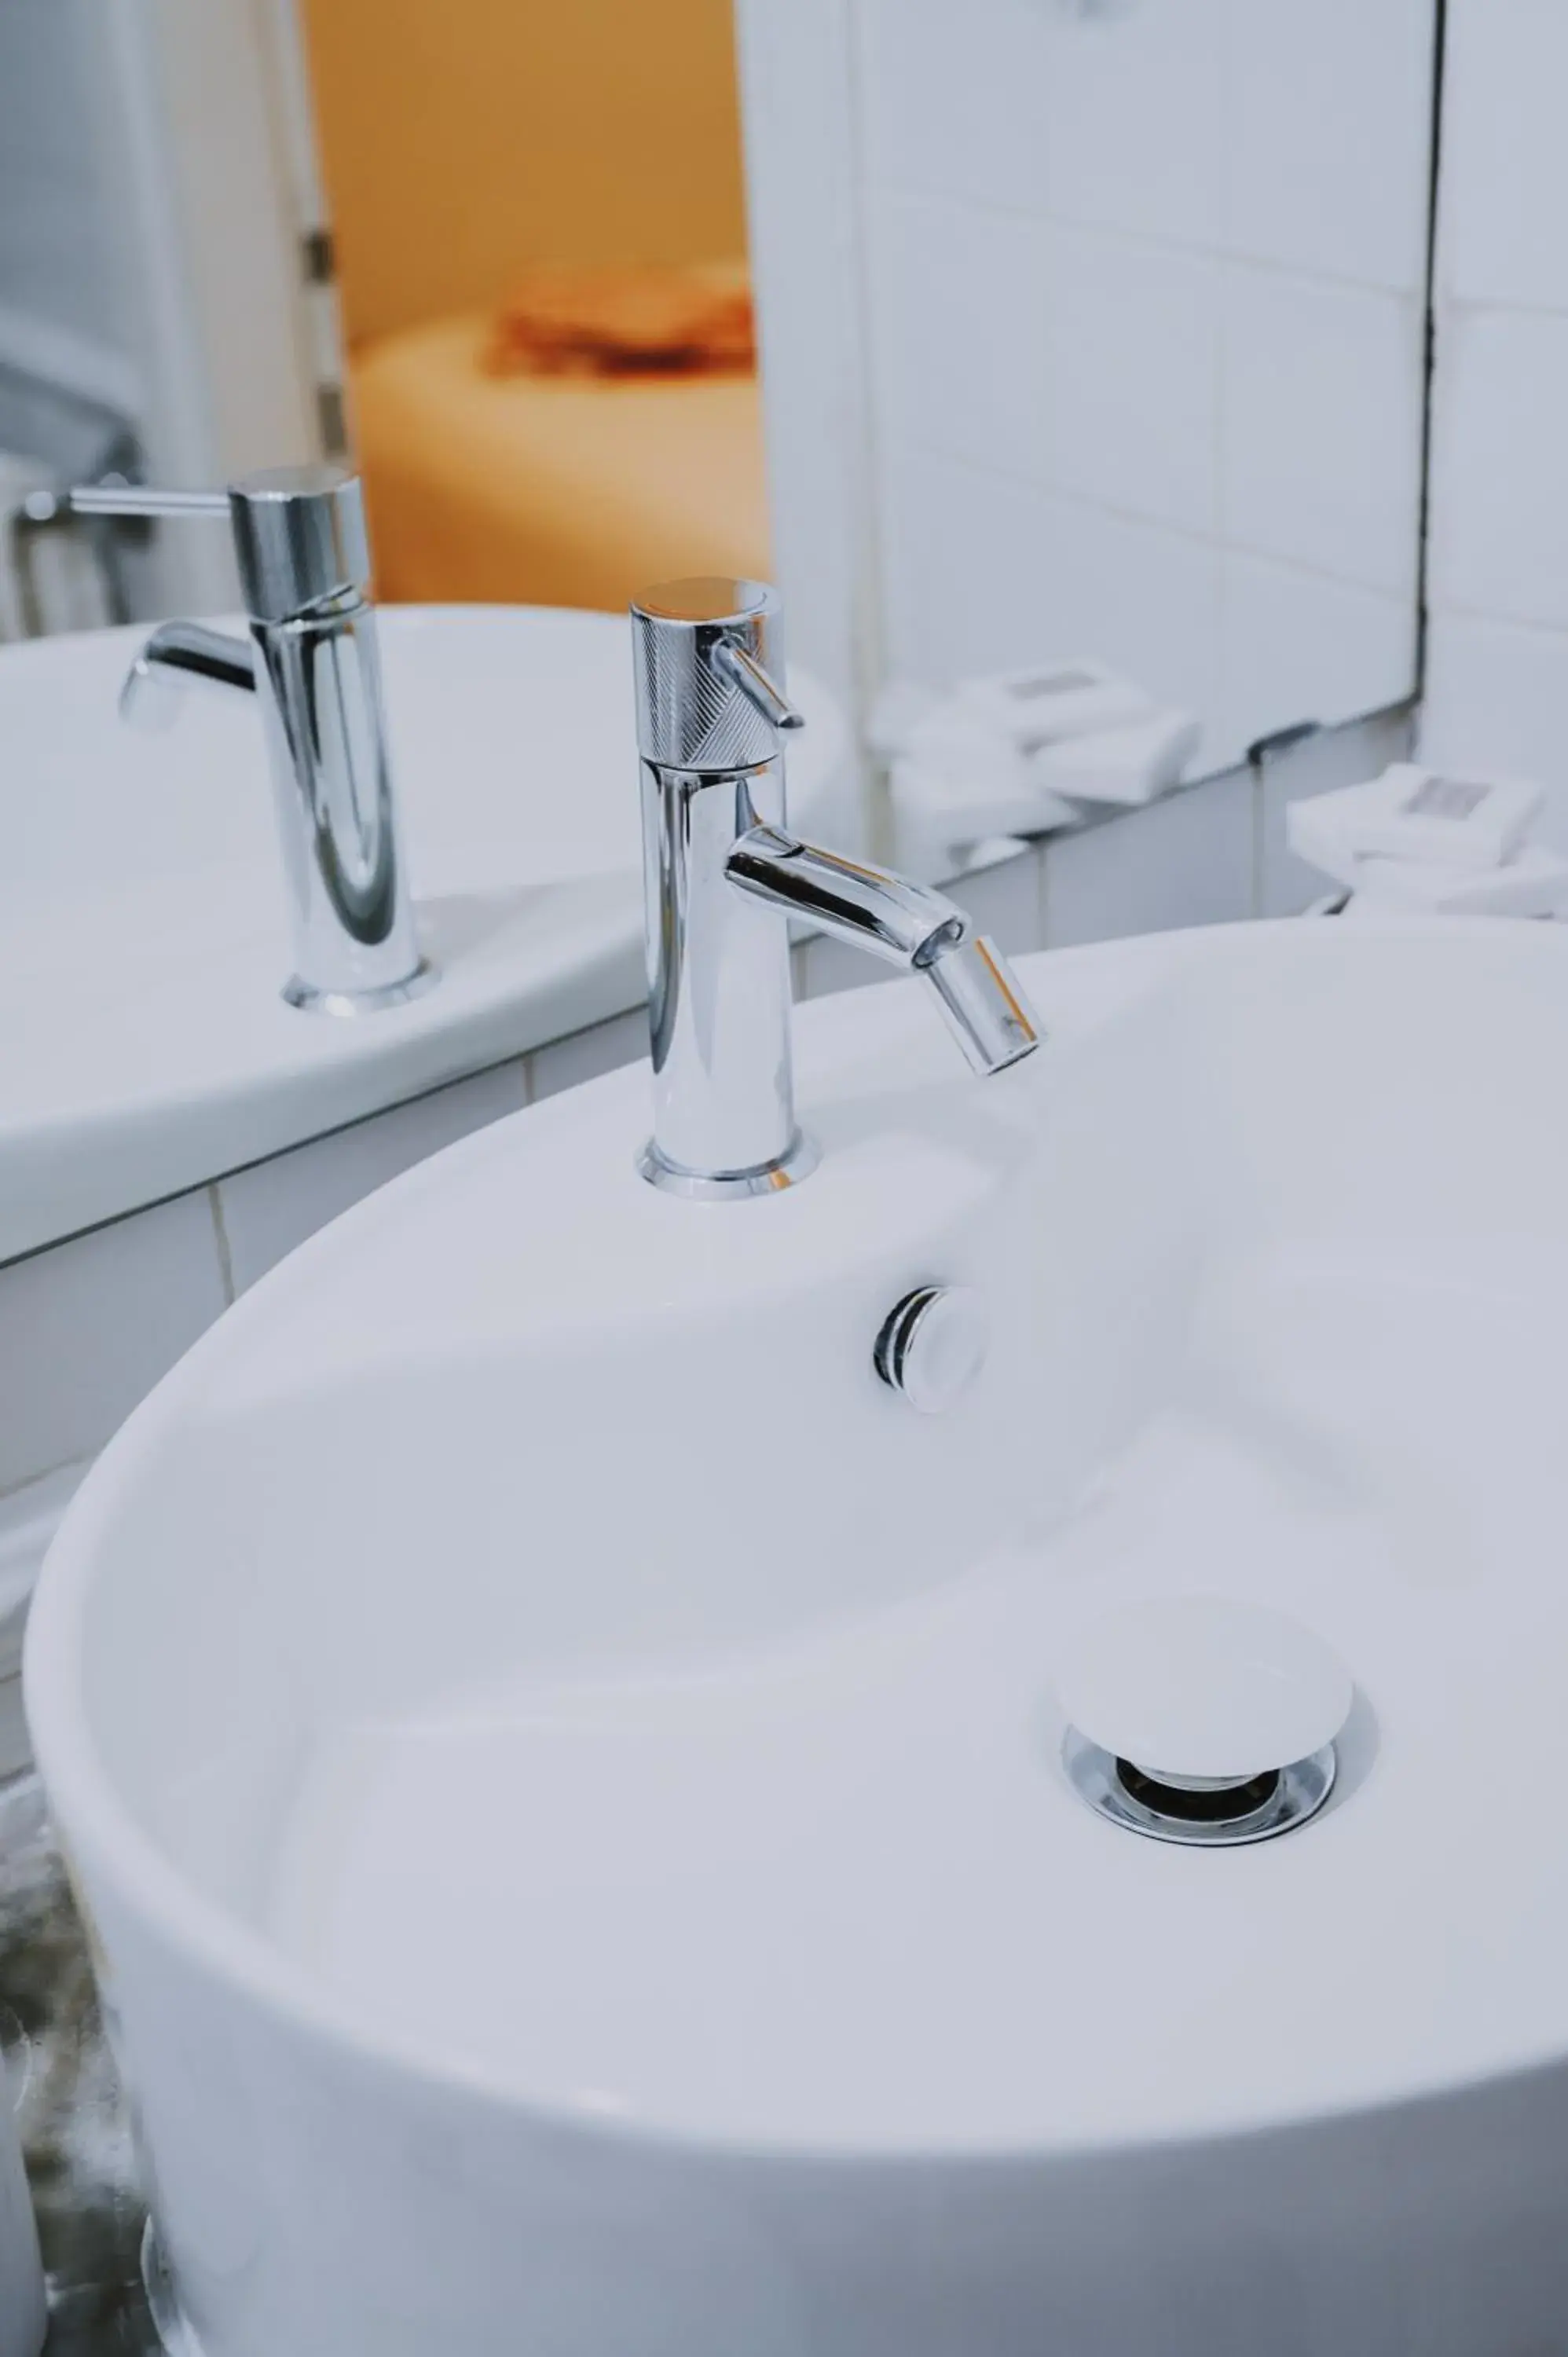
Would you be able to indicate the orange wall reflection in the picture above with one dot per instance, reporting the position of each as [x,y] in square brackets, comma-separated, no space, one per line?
[465,142]
[464,139]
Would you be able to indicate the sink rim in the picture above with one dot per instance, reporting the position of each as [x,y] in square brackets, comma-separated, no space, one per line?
[243,1959]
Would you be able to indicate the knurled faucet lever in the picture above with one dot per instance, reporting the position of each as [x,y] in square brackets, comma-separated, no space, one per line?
[313,662]
[722,874]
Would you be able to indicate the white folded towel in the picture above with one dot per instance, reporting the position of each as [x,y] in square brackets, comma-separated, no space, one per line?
[1412,838]
[1013,753]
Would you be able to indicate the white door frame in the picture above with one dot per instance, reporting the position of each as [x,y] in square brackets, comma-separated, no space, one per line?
[799,94]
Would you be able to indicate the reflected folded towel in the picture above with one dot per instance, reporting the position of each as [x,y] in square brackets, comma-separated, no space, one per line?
[693,321]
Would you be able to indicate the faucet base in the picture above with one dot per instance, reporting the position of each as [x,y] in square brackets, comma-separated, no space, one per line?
[706,1187]
[304,996]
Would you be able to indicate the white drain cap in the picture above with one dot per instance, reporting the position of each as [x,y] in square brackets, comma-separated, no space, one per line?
[1199,1686]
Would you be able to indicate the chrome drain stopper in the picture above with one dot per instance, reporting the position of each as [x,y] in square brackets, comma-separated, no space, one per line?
[1239,1704]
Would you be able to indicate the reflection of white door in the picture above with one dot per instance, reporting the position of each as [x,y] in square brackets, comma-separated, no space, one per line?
[181,190]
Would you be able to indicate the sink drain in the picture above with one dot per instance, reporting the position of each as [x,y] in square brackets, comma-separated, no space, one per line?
[1215,1691]
[1198,1811]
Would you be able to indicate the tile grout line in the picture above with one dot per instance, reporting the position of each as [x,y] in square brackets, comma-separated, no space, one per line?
[221,1239]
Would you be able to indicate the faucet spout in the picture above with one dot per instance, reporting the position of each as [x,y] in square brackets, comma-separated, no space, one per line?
[907,924]
[312,667]
[723,873]
[178,654]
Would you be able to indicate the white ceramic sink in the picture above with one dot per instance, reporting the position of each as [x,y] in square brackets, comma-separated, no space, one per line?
[144,1045]
[563,1770]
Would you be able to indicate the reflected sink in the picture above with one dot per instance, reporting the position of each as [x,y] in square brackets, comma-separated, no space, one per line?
[562,1764]
[143,1044]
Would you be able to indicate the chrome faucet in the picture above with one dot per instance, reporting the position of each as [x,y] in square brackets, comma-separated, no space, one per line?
[722,872]
[311,662]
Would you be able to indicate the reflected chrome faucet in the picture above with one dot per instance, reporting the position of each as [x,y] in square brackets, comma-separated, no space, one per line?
[311,662]
[722,873]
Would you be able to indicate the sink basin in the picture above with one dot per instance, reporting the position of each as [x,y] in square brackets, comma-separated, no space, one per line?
[562,1765]
[144,1045]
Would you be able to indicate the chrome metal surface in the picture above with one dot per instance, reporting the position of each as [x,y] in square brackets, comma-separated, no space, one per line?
[721,870]
[302,994]
[1200,1813]
[932,1345]
[299,540]
[690,714]
[760,689]
[179,654]
[700,1187]
[145,500]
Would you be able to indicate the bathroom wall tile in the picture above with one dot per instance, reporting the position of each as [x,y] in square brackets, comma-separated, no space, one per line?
[1328,168]
[957,306]
[1297,646]
[1135,377]
[933,121]
[826,967]
[945,527]
[602,1047]
[1185,860]
[983,572]
[1504,160]
[88,1327]
[272,1207]
[1500,465]
[1137,131]
[1323,400]
[803,180]
[1335,756]
[1004,901]
[1497,695]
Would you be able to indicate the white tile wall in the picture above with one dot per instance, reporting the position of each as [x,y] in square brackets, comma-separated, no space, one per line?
[1341,757]
[1505,163]
[1144,291]
[1497,646]
[1324,387]
[1300,643]
[1327,133]
[1136,131]
[265,1210]
[936,294]
[89,1326]
[1126,316]
[583,1055]
[1496,698]
[1188,860]
[1501,464]
[985,570]
[931,120]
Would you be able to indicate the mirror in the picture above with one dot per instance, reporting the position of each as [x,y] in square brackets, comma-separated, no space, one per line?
[1096,330]
[1086,446]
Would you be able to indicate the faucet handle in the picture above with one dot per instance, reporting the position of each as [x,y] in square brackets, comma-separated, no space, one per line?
[730,659]
[707,655]
[299,532]
[122,498]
